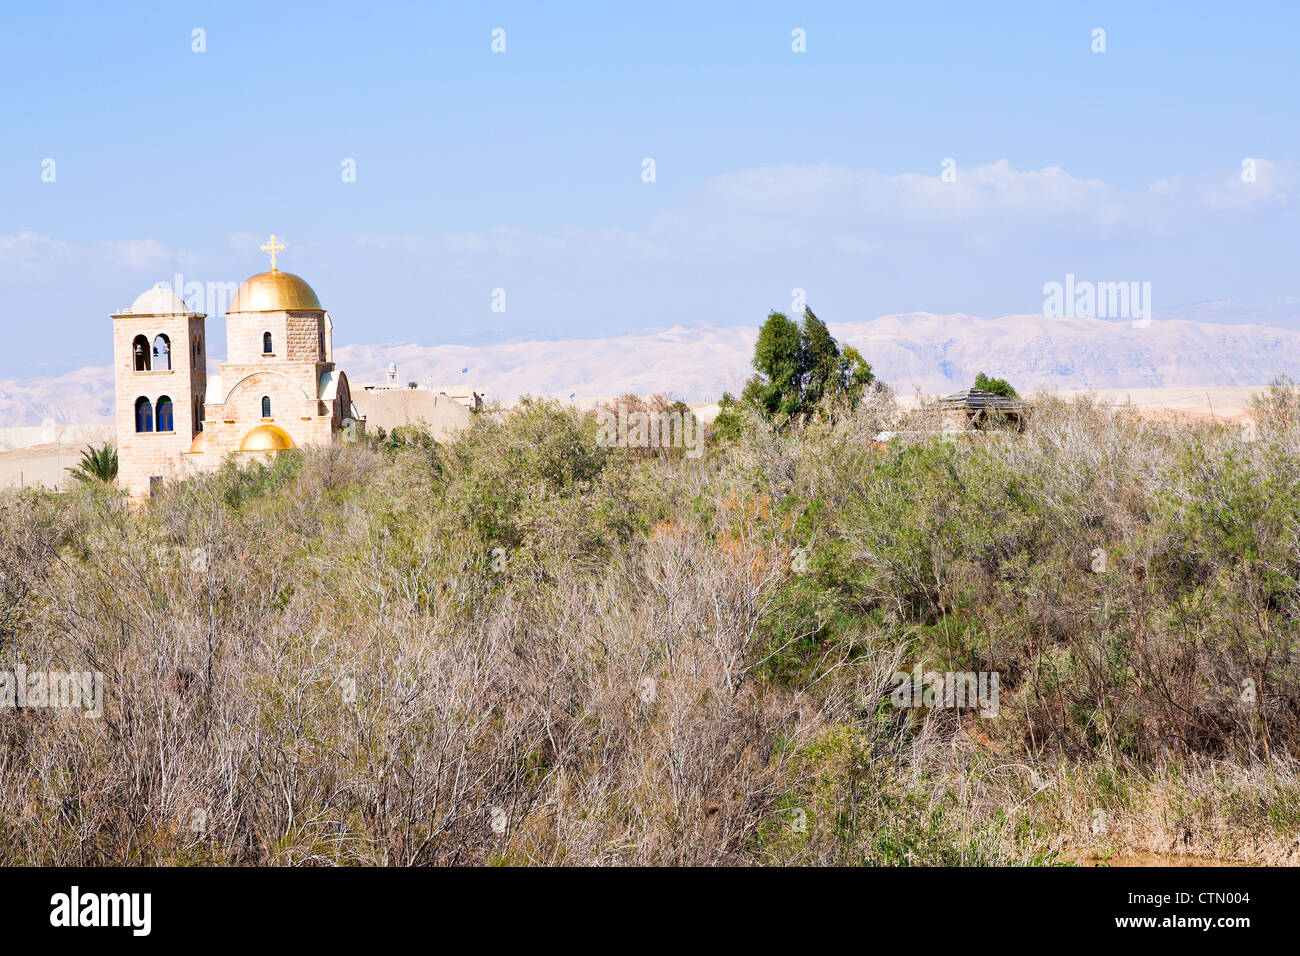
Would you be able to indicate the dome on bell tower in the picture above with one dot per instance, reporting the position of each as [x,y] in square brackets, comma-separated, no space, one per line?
[160,300]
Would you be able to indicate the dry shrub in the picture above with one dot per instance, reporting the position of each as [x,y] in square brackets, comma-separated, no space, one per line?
[521,647]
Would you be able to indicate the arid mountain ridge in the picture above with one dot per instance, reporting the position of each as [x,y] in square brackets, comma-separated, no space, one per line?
[911,351]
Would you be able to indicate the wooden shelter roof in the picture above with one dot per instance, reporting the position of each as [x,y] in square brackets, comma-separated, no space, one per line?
[977,400]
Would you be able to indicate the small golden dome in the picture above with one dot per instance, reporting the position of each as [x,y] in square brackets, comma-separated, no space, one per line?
[266,438]
[200,444]
[275,291]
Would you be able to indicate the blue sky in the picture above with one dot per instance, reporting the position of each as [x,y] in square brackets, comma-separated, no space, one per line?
[522,170]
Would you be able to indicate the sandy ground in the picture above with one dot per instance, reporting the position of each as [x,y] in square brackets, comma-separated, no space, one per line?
[39,464]
[38,456]
[1230,403]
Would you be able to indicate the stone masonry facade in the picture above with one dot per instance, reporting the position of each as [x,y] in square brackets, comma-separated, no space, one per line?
[272,393]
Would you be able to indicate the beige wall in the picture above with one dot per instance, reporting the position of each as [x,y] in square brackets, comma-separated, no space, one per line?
[142,455]
[388,409]
[295,337]
[289,377]
[307,420]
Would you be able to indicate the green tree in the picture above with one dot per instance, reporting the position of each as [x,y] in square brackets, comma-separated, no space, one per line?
[998,386]
[97,464]
[800,366]
[778,357]
[729,422]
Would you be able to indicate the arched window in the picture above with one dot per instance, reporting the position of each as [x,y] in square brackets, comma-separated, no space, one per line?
[266,406]
[266,343]
[198,414]
[140,353]
[165,423]
[143,415]
[162,353]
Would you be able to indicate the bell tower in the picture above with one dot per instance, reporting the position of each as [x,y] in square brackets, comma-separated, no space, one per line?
[160,374]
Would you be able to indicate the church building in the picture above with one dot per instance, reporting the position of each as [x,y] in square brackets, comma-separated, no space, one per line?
[277,389]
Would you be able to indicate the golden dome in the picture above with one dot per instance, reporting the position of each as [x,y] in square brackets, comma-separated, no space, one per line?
[275,291]
[266,438]
[200,444]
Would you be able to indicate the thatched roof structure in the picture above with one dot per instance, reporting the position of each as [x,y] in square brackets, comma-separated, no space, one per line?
[974,406]
[978,400]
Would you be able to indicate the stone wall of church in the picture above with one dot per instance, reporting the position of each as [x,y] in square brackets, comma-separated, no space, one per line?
[305,336]
[295,337]
[144,455]
[244,331]
[292,389]
[151,457]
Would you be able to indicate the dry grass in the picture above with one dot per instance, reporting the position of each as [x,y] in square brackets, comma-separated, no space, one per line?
[521,647]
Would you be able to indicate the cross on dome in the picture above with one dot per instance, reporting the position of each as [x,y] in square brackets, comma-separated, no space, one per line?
[272,247]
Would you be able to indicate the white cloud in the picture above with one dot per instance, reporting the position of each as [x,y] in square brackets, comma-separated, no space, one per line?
[31,255]
[859,241]
[863,212]
[802,204]
[28,252]
[139,254]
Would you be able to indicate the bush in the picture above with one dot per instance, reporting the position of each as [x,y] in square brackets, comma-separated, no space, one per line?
[519,646]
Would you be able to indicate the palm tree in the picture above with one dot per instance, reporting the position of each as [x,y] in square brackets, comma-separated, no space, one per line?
[97,464]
